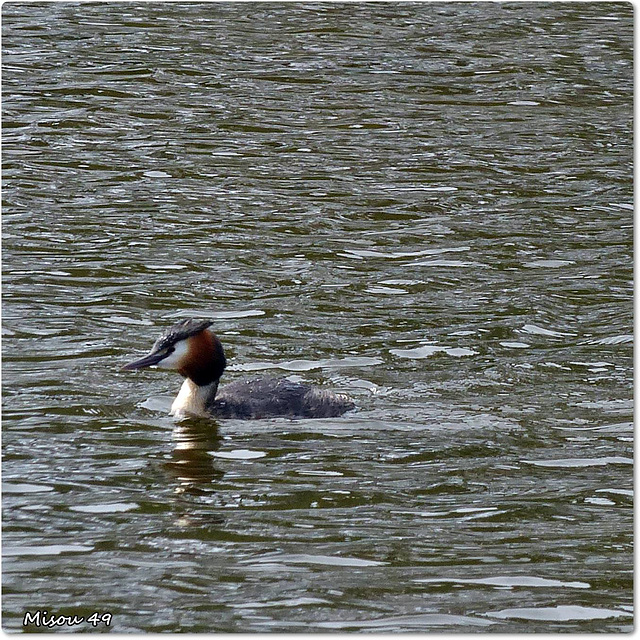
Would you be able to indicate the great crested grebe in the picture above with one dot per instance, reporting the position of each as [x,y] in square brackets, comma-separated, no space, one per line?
[191,349]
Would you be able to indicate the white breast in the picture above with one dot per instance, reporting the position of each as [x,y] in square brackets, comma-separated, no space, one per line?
[192,399]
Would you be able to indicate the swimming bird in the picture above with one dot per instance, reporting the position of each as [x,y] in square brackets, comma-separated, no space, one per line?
[193,350]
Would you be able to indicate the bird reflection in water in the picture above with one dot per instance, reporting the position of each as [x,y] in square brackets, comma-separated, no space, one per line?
[192,465]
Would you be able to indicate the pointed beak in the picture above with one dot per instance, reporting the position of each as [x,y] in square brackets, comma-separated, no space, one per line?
[148,361]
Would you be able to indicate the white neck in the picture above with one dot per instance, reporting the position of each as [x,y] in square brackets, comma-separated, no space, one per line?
[193,400]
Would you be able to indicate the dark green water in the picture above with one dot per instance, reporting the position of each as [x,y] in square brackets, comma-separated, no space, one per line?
[426,206]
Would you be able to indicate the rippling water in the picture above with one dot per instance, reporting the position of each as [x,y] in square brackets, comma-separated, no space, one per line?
[427,206]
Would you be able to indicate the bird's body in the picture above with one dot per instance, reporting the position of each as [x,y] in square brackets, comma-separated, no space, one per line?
[190,348]
[270,397]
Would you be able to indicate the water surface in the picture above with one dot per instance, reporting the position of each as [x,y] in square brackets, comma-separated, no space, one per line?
[426,206]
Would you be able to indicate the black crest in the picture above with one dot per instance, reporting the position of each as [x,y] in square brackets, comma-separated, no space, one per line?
[180,331]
